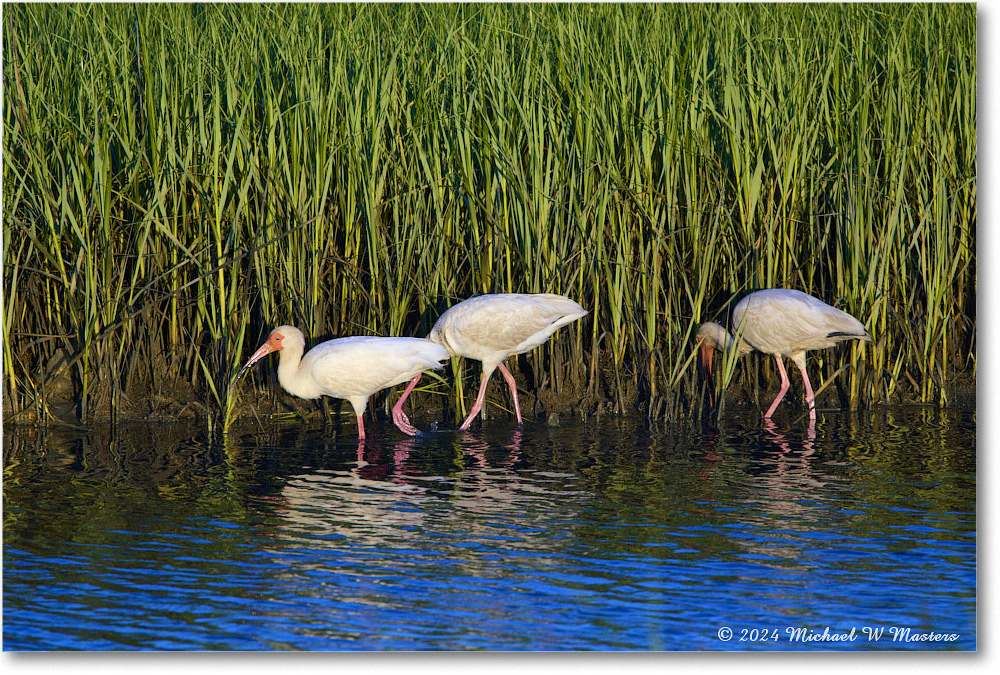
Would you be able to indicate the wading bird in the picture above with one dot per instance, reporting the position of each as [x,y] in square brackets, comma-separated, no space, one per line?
[489,328]
[781,322]
[351,368]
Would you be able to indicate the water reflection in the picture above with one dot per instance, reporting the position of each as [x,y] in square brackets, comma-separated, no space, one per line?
[386,498]
[609,534]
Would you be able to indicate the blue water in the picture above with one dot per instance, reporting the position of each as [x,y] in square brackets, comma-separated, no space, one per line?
[604,534]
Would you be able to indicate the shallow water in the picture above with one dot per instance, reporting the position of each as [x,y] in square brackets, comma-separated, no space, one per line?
[606,534]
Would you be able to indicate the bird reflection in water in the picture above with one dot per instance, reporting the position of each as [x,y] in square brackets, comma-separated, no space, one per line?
[371,466]
[792,465]
[390,493]
[380,470]
[781,440]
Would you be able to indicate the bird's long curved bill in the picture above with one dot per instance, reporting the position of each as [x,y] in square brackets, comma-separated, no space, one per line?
[261,352]
[706,360]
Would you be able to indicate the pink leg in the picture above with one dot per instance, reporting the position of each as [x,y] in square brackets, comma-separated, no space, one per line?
[784,387]
[478,405]
[513,391]
[409,388]
[399,457]
[361,429]
[810,397]
[398,416]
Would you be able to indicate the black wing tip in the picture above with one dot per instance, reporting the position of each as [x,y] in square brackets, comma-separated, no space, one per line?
[855,336]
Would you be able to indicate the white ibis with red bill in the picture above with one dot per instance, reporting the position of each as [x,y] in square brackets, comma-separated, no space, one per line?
[783,323]
[351,368]
[490,328]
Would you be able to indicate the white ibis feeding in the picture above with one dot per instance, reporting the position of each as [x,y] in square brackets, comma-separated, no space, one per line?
[351,368]
[782,322]
[489,328]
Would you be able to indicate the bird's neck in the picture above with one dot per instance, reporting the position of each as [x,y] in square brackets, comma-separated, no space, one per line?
[719,338]
[740,345]
[293,378]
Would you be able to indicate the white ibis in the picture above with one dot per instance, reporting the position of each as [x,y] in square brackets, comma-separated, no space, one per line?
[351,368]
[782,322]
[489,328]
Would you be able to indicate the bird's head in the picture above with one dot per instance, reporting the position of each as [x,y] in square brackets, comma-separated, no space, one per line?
[276,341]
[282,337]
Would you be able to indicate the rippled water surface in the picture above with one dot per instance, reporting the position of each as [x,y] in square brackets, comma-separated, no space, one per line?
[607,534]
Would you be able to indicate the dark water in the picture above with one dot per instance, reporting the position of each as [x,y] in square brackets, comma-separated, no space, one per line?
[605,534]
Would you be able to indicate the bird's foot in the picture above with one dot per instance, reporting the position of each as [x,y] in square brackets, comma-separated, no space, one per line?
[403,422]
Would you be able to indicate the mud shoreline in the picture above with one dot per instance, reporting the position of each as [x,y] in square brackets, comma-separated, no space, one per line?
[574,398]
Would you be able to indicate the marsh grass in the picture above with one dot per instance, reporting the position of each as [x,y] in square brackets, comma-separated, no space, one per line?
[180,178]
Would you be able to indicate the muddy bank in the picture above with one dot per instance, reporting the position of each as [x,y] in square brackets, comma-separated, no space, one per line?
[606,392]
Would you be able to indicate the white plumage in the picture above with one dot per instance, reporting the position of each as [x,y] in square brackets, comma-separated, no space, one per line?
[490,328]
[351,368]
[784,323]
